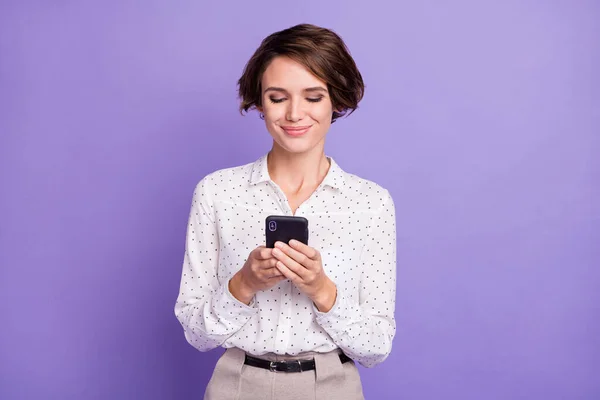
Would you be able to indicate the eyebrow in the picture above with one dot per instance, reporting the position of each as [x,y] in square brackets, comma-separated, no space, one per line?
[282,90]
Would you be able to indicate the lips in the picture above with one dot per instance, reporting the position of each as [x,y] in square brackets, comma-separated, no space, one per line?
[296,130]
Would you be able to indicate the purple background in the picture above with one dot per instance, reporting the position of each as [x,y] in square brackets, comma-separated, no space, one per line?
[482,118]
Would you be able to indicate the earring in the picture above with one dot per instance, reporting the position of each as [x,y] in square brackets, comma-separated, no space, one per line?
[262,116]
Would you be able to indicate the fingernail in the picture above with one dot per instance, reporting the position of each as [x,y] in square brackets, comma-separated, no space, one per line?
[279,245]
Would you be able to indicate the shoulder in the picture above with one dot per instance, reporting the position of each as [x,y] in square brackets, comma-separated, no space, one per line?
[221,181]
[366,192]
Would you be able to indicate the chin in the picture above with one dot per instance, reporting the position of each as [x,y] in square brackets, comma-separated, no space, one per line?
[296,146]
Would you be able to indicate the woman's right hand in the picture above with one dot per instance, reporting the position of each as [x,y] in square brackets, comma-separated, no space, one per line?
[258,273]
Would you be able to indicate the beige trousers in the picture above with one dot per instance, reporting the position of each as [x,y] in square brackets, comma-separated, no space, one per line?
[330,380]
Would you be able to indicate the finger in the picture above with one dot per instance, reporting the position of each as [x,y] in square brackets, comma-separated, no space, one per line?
[290,263]
[308,251]
[288,273]
[263,253]
[273,273]
[274,281]
[267,264]
[295,255]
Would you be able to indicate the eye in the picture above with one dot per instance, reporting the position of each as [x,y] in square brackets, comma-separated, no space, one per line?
[314,99]
[274,100]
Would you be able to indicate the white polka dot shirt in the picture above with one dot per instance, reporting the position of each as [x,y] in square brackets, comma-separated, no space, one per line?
[351,223]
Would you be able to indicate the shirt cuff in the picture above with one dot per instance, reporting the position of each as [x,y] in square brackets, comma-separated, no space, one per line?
[229,308]
[341,319]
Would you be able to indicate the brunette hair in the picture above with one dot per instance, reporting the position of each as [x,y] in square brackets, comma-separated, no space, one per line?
[321,51]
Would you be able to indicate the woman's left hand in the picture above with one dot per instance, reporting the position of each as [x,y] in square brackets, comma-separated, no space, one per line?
[302,265]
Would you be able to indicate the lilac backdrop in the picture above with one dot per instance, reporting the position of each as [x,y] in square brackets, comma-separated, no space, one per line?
[481,117]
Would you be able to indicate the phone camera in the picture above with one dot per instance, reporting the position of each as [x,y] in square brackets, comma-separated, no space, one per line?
[272,226]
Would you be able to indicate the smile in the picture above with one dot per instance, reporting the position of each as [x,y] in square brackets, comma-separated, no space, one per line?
[296,130]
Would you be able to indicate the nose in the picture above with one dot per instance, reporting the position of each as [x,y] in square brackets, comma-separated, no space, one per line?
[295,112]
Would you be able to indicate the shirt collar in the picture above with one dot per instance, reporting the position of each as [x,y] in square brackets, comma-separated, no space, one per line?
[335,178]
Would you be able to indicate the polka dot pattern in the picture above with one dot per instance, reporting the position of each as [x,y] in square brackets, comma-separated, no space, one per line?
[351,223]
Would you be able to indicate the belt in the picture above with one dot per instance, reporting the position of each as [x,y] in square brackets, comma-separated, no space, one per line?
[287,366]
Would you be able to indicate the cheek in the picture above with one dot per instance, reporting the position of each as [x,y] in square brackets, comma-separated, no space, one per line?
[272,112]
[323,113]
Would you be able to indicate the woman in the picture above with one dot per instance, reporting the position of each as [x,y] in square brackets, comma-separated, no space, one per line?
[295,318]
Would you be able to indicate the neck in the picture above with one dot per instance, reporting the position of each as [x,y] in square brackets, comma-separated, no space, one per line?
[296,171]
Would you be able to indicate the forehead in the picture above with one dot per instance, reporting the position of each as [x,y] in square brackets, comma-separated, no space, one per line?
[288,74]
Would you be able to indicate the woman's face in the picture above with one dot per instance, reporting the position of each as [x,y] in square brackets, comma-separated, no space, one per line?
[296,106]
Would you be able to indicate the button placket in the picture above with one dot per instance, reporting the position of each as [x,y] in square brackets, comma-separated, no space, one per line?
[284,327]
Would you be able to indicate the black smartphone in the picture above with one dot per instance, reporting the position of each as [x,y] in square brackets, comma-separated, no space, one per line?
[283,228]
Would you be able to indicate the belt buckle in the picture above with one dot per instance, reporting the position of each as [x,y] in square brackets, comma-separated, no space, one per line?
[272,366]
[299,366]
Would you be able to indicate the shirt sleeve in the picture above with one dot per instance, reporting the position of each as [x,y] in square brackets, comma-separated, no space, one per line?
[365,331]
[206,309]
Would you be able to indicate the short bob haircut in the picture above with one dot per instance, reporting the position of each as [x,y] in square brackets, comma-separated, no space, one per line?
[319,50]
